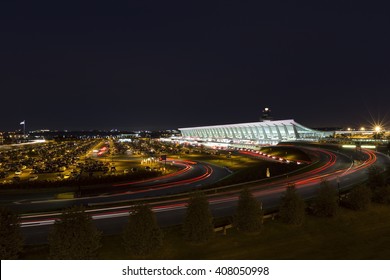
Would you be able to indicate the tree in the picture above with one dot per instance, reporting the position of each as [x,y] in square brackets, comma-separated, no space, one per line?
[382,194]
[74,236]
[249,216]
[142,235]
[377,183]
[11,240]
[326,203]
[375,178]
[292,207]
[359,198]
[198,223]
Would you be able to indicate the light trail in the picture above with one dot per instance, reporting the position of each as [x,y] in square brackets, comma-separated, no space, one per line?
[306,179]
[186,164]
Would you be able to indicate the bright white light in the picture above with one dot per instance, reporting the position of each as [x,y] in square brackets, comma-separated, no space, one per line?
[127,140]
[362,128]
[377,128]
[39,141]
[368,146]
[349,146]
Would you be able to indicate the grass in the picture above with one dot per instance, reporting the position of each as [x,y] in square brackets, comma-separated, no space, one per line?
[351,235]
[248,168]
[235,163]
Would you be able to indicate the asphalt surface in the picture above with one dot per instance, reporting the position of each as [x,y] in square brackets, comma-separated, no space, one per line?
[336,168]
[192,175]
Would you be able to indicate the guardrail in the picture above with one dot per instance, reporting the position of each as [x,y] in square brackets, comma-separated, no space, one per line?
[229,226]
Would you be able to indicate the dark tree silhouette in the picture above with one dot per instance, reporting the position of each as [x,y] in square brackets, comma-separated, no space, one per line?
[142,235]
[359,198]
[198,224]
[249,215]
[382,194]
[326,202]
[377,183]
[11,240]
[292,207]
[376,178]
[74,236]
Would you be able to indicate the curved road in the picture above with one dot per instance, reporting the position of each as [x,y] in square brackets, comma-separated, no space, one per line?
[190,176]
[336,168]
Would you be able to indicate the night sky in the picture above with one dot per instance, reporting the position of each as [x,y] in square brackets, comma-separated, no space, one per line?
[169,64]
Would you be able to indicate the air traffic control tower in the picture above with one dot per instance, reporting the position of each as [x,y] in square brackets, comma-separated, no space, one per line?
[266,115]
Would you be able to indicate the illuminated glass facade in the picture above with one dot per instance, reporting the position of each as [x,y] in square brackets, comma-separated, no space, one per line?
[266,132]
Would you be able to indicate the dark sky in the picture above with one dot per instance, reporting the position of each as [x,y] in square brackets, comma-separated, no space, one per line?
[169,64]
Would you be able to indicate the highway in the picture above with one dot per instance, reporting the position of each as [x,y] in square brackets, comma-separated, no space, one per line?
[191,175]
[336,168]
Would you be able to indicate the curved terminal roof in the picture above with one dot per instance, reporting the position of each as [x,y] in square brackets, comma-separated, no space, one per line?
[266,132]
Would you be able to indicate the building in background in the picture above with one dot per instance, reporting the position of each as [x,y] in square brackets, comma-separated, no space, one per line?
[255,133]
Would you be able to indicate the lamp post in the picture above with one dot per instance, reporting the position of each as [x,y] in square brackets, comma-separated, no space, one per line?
[24,128]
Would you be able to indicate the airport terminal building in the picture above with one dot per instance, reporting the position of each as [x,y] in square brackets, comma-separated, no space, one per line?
[266,132]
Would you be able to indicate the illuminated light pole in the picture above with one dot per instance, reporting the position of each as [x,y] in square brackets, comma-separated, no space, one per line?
[24,128]
[378,132]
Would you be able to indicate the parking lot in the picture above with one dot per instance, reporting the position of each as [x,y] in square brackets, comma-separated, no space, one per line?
[75,160]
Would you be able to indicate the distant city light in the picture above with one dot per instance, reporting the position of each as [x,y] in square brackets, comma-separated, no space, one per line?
[362,128]
[377,128]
